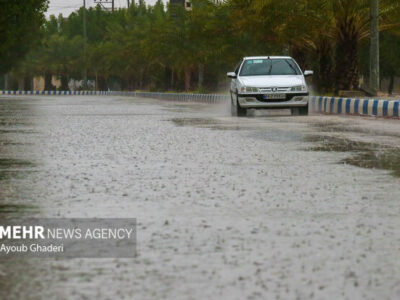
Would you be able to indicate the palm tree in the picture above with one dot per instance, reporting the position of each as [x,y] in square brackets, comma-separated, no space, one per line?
[319,26]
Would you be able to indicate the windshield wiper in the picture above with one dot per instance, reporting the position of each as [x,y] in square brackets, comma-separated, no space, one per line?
[270,68]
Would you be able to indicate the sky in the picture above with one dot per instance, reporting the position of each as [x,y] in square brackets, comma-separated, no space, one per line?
[65,7]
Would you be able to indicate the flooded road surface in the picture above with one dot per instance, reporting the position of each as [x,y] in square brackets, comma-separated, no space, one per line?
[263,207]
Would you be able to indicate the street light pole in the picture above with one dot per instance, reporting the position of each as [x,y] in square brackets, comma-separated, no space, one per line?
[84,44]
[374,56]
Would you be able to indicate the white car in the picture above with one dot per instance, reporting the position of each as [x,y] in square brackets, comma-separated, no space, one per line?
[269,82]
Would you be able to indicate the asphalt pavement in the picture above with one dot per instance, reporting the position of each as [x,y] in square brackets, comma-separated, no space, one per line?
[264,207]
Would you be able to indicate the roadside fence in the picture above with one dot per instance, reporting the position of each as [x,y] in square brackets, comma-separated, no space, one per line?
[182,97]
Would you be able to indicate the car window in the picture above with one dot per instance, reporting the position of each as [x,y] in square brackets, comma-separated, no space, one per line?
[260,67]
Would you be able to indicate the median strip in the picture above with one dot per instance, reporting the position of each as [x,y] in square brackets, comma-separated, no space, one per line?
[349,106]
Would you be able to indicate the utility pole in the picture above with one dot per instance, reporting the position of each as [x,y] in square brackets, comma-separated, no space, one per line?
[374,56]
[128,3]
[102,3]
[84,44]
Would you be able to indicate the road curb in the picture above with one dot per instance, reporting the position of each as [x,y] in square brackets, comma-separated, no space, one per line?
[181,97]
[353,106]
[55,93]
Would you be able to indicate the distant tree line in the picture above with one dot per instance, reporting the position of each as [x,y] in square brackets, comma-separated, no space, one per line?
[169,48]
[20,23]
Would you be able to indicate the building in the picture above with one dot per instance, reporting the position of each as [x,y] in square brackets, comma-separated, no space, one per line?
[186,3]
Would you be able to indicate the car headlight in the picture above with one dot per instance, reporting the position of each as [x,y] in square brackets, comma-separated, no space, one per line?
[299,88]
[249,89]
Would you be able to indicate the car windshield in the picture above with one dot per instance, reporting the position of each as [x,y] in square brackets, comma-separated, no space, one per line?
[260,67]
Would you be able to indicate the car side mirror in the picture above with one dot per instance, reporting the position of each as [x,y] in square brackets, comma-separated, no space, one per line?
[231,75]
[308,73]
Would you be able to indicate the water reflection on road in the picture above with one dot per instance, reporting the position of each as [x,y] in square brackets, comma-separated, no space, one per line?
[17,164]
[17,134]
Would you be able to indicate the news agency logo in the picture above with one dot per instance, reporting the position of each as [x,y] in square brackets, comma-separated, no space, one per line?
[113,238]
[39,232]
[21,232]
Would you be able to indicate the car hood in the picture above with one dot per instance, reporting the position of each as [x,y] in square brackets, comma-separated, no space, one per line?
[273,81]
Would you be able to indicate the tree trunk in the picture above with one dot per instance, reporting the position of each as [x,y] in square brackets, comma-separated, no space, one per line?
[21,85]
[64,83]
[172,79]
[102,84]
[6,81]
[188,78]
[48,86]
[391,85]
[325,80]
[28,83]
[346,74]
[299,55]
[201,76]
[141,79]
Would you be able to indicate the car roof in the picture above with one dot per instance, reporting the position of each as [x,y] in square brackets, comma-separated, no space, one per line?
[267,57]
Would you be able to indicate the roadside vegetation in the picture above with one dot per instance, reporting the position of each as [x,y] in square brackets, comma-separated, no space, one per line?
[20,23]
[169,48]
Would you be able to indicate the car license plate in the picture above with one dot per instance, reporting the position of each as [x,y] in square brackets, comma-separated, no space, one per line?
[274,96]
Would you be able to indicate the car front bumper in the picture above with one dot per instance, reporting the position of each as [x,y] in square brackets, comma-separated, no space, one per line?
[256,101]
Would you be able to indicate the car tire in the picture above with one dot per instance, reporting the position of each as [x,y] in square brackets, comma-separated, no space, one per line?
[300,111]
[303,111]
[233,108]
[236,110]
[295,111]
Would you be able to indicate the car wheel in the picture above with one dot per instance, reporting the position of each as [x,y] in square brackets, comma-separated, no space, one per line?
[233,106]
[295,111]
[236,110]
[303,111]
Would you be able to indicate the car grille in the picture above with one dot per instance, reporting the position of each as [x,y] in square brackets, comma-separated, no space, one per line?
[268,90]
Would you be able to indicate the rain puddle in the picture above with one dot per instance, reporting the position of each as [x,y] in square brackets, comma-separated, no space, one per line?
[14,168]
[4,175]
[15,208]
[385,160]
[343,127]
[211,124]
[364,155]
[277,135]
[8,131]
[9,211]
[9,143]
[184,107]
[194,121]
[14,122]
[8,163]
[335,144]
[332,126]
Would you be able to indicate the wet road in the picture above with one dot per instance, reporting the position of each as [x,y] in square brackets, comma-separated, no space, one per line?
[264,207]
